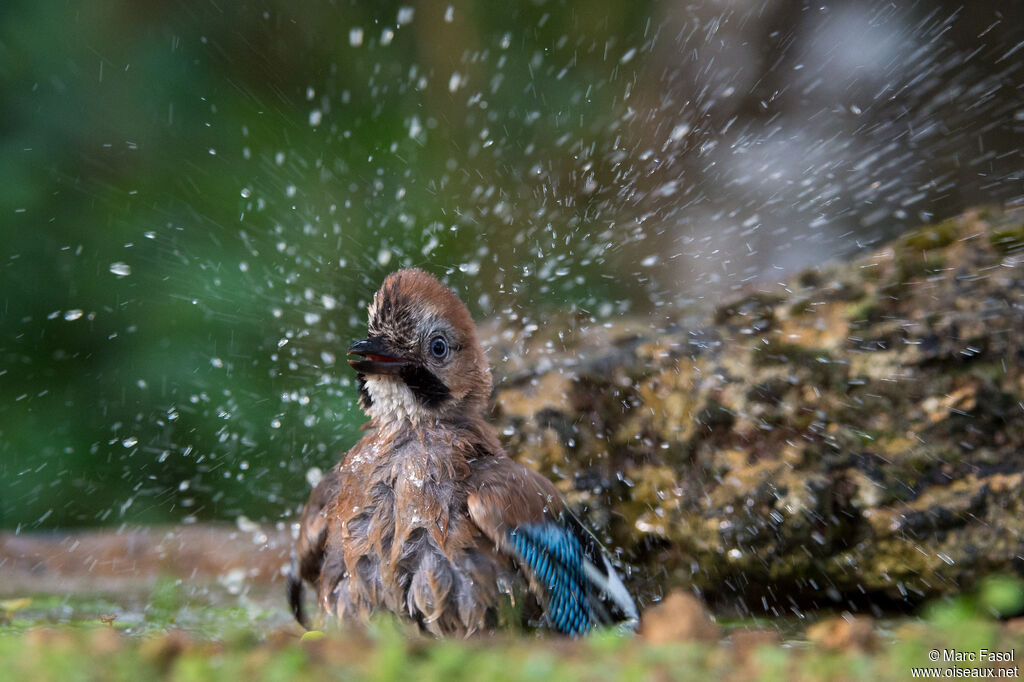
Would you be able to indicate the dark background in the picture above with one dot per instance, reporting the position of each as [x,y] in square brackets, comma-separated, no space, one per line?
[198,199]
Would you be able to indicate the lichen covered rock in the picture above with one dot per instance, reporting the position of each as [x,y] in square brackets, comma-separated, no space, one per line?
[854,434]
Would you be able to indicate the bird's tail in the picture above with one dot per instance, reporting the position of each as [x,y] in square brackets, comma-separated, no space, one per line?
[294,587]
[579,587]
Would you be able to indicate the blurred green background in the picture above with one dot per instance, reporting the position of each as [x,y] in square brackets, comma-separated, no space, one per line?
[198,200]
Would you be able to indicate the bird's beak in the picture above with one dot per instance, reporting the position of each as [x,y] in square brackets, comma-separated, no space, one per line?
[378,357]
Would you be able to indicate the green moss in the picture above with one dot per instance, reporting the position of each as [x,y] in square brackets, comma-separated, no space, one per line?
[867,310]
[932,236]
[773,663]
[165,600]
[94,654]
[914,264]
[1002,595]
[1008,238]
[993,372]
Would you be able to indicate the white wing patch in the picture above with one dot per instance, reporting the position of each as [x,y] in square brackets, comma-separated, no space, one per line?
[611,584]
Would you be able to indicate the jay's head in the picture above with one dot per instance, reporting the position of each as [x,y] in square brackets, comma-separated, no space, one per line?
[421,359]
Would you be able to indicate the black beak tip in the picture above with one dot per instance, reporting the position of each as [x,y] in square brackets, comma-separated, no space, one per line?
[376,358]
[363,347]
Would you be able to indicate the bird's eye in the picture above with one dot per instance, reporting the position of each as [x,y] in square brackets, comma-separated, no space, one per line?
[438,347]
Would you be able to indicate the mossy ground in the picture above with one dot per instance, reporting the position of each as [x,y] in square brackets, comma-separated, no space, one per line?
[53,638]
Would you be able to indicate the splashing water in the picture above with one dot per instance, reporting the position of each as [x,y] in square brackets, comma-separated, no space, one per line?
[213,243]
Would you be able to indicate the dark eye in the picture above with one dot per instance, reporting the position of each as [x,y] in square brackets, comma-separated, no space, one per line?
[438,347]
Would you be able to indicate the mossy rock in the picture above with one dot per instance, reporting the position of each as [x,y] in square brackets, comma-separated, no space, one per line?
[861,431]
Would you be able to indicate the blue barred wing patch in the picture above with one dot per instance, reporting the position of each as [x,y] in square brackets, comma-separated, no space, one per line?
[575,581]
[556,558]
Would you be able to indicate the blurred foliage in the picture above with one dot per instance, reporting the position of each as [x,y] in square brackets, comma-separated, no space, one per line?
[199,198]
[175,144]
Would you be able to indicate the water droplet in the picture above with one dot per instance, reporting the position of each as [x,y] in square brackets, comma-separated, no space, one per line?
[246,525]
[431,244]
[121,269]
[233,581]
[415,127]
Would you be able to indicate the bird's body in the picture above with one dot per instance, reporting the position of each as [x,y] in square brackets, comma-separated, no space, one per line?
[426,516]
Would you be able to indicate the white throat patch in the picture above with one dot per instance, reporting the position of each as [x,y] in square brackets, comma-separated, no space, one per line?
[392,401]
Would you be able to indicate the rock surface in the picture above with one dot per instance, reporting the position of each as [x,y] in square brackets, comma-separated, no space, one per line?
[852,436]
[679,617]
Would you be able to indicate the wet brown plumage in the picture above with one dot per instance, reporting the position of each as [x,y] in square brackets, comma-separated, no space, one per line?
[420,516]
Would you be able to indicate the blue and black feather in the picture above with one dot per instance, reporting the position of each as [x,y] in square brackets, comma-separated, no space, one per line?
[576,580]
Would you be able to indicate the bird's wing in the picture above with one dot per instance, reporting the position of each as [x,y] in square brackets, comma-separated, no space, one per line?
[308,555]
[522,513]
